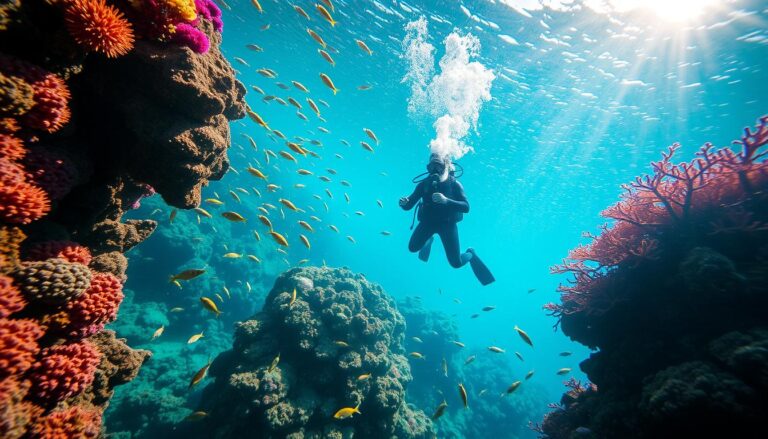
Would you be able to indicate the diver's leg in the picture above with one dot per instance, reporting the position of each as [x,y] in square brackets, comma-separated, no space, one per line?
[421,240]
[449,234]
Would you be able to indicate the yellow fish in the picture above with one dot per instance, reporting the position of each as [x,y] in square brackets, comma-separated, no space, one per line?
[257,5]
[264,220]
[371,134]
[287,155]
[305,241]
[274,363]
[306,225]
[334,228]
[233,216]
[304,172]
[417,355]
[195,338]
[196,416]
[364,377]
[329,4]
[326,56]
[313,106]
[188,274]
[496,349]
[177,309]
[210,305]
[529,374]
[328,83]
[280,239]
[524,336]
[233,255]
[254,258]
[177,283]
[173,215]
[218,296]
[564,371]
[295,147]
[258,119]
[301,12]
[293,298]
[256,235]
[440,410]
[364,47]
[346,412]
[463,394]
[158,332]
[288,204]
[199,375]
[366,146]
[317,38]
[203,212]
[256,173]
[300,86]
[325,14]
[214,201]
[341,343]
[235,196]
[351,239]
[513,387]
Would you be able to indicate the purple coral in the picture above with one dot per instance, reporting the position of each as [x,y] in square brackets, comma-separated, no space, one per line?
[192,37]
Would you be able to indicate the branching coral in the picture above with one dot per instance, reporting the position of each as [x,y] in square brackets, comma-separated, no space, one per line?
[53,281]
[99,27]
[51,95]
[18,345]
[63,371]
[68,250]
[73,422]
[97,306]
[11,300]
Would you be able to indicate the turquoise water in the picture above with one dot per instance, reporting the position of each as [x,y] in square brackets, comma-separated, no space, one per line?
[580,102]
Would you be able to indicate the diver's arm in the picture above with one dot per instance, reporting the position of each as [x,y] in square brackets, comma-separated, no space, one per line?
[413,198]
[460,202]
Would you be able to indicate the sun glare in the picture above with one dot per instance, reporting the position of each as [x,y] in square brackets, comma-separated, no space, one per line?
[678,11]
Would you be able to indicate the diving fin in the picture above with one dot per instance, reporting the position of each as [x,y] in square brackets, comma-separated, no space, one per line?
[424,252]
[481,271]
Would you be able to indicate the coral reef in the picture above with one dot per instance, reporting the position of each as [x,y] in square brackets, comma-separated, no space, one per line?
[338,327]
[73,161]
[672,294]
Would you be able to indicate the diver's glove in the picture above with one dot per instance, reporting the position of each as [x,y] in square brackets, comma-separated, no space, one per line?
[403,201]
[439,198]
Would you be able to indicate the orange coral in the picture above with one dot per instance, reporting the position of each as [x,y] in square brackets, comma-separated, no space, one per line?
[64,370]
[18,345]
[11,147]
[22,203]
[99,27]
[71,251]
[11,300]
[74,422]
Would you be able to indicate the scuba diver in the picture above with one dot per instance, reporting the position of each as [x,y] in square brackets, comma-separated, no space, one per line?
[441,205]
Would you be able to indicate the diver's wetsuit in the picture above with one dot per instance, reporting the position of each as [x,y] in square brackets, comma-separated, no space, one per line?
[439,219]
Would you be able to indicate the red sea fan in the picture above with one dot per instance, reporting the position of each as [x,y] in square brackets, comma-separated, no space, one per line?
[71,251]
[97,306]
[11,300]
[192,37]
[74,422]
[18,345]
[64,371]
[99,27]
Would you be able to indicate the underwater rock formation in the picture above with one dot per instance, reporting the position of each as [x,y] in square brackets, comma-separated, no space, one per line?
[673,294]
[78,148]
[304,357]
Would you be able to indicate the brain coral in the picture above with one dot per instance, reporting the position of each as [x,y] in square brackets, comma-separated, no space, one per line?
[53,280]
[51,95]
[64,370]
[340,328]
[74,422]
[18,345]
[97,306]
[99,27]
[71,251]
[11,300]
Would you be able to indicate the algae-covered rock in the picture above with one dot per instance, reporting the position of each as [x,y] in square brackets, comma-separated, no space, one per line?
[337,328]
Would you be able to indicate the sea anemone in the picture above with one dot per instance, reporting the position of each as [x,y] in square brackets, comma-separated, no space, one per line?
[71,251]
[74,422]
[18,345]
[11,300]
[99,27]
[51,170]
[53,281]
[51,95]
[192,37]
[64,371]
[97,306]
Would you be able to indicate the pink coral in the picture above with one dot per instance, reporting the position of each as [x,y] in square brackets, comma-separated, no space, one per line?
[74,422]
[209,10]
[68,250]
[18,345]
[11,300]
[51,95]
[64,371]
[52,171]
[97,306]
[713,186]
[192,37]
